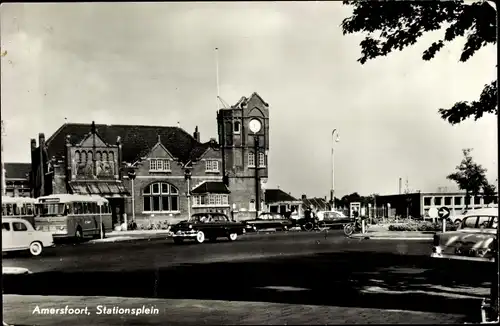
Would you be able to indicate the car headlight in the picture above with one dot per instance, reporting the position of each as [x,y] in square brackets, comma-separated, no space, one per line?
[437,250]
[190,226]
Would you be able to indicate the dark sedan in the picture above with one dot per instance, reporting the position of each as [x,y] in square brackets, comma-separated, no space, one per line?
[269,221]
[203,226]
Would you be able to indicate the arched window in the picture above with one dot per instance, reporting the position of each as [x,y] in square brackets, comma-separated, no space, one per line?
[112,162]
[105,156]
[98,156]
[78,157]
[84,158]
[89,155]
[160,197]
[251,207]
[111,156]
[251,159]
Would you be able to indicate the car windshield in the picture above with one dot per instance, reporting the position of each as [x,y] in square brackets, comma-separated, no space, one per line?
[207,218]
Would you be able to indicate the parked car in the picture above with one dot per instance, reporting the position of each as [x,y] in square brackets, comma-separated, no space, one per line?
[18,234]
[475,239]
[269,220]
[202,226]
[329,219]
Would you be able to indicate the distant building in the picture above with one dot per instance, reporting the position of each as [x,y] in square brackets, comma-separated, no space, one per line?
[17,179]
[278,201]
[418,204]
[317,203]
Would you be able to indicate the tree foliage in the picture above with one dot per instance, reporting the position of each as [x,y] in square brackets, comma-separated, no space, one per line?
[469,175]
[395,25]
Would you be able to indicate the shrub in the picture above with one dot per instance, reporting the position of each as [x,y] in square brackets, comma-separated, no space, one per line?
[421,226]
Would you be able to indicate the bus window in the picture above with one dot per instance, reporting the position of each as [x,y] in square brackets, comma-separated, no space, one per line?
[29,209]
[95,210]
[16,210]
[86,208]
[9,210]
[69,208]
[4,210]
[23,210]
[78,208]
[50,209]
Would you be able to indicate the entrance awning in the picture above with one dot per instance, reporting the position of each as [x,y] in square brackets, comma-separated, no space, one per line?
[113,189]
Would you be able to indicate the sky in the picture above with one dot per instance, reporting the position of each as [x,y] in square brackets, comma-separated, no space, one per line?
[154,64]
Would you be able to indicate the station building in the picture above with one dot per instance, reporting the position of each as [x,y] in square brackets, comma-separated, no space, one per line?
[160,173]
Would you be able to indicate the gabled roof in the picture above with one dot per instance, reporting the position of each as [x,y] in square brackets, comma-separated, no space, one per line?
[137,140]
[278,196]
[244,100]
[213,187]
[319,203]
[17,170]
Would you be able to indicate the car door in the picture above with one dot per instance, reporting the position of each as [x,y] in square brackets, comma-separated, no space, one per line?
[7,236]
[21,236]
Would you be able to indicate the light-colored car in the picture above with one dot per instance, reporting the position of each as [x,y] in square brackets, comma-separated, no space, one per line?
[19,234]
[475,239]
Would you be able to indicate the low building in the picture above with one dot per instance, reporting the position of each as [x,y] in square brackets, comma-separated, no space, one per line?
[316,203]
[418,204]
[17,183]
[278,201]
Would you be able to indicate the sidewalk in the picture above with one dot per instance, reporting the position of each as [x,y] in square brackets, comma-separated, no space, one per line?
[119,236]
[381,232]
[35,310]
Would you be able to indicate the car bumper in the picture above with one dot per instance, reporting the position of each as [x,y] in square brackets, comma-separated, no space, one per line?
[456,257]
[184,234]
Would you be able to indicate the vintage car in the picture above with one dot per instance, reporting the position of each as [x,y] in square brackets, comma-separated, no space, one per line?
[269,220]
[202,226]
[475,239]
[18,234]
[330,219]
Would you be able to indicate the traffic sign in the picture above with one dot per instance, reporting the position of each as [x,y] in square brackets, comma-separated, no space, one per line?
[433,212]
[443,212]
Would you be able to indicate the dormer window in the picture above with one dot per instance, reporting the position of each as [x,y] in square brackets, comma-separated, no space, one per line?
[236,127]
[211,166]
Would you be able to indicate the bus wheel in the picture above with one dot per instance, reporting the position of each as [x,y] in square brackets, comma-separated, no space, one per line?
[78,234]
[36,248]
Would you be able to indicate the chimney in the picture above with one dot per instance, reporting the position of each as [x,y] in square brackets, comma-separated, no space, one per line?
[304,197]
[33,144]
[196,134]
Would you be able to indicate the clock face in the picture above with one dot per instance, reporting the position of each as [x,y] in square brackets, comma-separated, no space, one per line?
[255,125]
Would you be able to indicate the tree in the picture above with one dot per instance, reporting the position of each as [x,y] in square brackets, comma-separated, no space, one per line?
[469,176]
[489,192]
[400,24]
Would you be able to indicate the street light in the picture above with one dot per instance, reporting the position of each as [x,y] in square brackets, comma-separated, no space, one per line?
[187,176]
[131,175]
[334,140]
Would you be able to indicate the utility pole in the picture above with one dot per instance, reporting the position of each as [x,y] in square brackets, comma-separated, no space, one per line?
[4,184]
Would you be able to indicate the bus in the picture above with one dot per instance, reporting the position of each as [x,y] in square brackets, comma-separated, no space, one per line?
[20,207]
[73,216]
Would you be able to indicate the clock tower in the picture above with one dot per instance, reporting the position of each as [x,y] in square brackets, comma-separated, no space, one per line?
[244,139]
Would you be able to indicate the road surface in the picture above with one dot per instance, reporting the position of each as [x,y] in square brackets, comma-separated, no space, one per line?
[300,268]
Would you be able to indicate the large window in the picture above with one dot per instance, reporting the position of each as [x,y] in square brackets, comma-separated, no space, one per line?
[211,200]
[211,166]
[458,201]
[262,159]
[427,201]
[159,165]
[236,127]
[161,197]
[251,159]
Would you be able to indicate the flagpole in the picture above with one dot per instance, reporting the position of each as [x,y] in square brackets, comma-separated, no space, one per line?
[217,75]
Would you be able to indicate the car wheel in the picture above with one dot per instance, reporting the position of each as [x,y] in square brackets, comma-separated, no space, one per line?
[36,248]
[308,226]
[78,234]
[233,236]
[200,237]
[322,226]
[178,240]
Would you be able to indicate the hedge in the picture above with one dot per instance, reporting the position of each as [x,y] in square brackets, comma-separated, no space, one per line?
[421,226]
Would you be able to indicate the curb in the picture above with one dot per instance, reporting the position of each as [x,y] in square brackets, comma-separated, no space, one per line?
[391,238]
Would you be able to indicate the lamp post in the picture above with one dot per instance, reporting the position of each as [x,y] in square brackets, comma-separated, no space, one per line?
[256,158]
[187,176]
[334,140]
[131,175]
